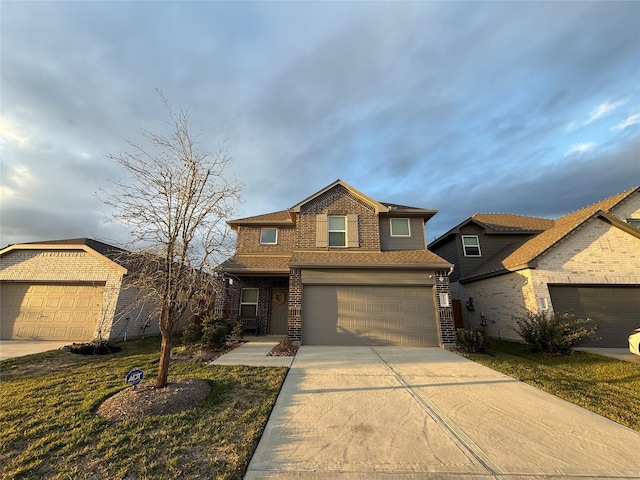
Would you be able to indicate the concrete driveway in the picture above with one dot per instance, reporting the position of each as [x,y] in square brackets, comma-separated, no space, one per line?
[20,348]
[426,413]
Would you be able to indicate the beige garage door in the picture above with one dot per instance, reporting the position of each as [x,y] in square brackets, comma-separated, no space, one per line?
[49,311]
[372,315]
[614,309]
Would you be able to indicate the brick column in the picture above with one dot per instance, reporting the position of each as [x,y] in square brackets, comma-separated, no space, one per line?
[295,305]
[445,313]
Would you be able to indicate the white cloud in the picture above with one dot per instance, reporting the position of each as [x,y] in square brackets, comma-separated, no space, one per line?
[632,119]
[578,148]
[11,134]
[603,109]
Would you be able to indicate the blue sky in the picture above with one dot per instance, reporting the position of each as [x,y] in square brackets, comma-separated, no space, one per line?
[465,107]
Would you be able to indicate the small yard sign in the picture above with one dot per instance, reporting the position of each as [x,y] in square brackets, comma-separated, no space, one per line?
[134,377]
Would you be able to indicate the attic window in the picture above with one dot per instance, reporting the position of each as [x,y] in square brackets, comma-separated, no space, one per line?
[269,236]
[471,245]
[400,227]
[634,222]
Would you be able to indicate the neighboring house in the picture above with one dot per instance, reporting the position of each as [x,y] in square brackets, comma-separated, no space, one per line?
[73,290]
[340,268]
[586,263]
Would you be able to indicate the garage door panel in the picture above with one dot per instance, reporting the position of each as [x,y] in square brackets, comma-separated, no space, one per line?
[614,309]
[49,311]
[351,315]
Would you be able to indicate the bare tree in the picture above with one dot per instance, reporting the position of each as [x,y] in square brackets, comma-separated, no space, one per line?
[175,204]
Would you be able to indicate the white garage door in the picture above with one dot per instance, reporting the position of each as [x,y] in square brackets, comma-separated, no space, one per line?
[371,315]
[49,311]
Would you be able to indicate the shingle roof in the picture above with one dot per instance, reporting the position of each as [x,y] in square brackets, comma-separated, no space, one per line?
[506,222]
[100,247]
[521,254]
[266,264]
[283,217]
[401,258]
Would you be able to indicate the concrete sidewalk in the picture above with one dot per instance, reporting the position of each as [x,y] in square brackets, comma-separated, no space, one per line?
[426,413]
[254,354]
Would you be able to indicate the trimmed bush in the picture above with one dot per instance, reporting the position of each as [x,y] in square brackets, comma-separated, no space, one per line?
[556,334]
[214,336]
[217,321]
[471,341]
[192,333]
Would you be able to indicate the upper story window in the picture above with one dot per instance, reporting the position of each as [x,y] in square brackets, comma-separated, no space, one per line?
[249,303]
[400,227]
[471,245]
[268,236]
[634,222]
[337,230]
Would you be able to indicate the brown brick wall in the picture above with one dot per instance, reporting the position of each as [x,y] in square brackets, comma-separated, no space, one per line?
[264,286]
[338,201]
[295,304]
[248,241]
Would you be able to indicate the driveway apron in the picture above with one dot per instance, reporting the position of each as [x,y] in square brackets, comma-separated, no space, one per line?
[426,413]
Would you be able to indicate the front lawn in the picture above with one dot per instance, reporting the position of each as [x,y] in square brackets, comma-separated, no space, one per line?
[601,384]
[49,428]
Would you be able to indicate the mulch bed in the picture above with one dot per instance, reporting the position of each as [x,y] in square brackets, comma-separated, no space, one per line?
[146,400]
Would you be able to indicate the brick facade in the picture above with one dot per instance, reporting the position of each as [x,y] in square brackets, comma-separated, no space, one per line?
[445,312]
[338,201]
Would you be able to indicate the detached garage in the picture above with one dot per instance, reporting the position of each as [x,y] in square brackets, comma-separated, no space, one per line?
[614,309]
[70,290]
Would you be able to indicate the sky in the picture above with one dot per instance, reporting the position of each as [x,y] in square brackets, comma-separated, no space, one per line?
[530,108]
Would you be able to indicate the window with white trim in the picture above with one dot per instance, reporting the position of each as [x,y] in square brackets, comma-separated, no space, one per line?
[337,227]
[400,227]
[249,303]
[471,245]
[268,236]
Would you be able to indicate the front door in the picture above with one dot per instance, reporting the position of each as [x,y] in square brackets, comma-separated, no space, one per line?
[279,311]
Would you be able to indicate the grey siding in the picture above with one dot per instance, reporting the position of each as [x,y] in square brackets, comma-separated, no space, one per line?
[415,242]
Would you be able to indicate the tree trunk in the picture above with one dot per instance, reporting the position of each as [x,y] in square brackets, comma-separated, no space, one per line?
[163,368]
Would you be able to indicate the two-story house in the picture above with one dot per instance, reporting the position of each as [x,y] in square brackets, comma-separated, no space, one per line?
[586,263]
[340,268]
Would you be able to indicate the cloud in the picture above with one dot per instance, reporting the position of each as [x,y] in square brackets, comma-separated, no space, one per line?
[579,148]
[632,119]
[453,106]
[602,110]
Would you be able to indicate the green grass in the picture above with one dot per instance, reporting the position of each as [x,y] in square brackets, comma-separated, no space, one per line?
[49,428]
[601,384]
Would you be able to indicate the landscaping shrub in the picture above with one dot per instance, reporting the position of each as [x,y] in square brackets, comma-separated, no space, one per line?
[93,348]
[556,334]
[192,333]
[471,341]
[217,321]
[238,331]
[214,336]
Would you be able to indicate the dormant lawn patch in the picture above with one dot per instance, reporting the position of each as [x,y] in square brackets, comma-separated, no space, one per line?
[49,426]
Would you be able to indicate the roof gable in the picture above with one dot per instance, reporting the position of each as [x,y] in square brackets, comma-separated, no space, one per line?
[377,206]
[105,252]
[524,254]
